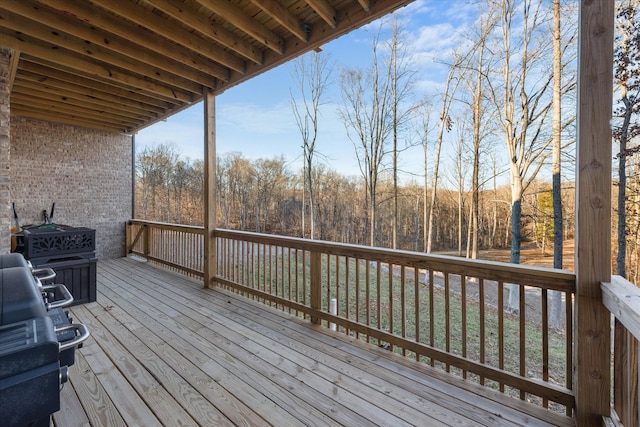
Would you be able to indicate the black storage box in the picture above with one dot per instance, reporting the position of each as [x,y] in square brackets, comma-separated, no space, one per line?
[77,274]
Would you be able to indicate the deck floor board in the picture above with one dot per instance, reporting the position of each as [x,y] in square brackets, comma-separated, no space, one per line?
[165,351]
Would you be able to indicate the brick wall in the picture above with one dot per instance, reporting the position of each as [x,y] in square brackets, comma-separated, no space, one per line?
[87,173]
[5,204]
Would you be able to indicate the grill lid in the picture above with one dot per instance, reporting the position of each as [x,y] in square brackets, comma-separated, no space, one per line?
[19,296]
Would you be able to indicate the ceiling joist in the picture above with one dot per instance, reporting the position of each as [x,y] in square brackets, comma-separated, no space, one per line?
[212,30]
[123,65]
[243,22]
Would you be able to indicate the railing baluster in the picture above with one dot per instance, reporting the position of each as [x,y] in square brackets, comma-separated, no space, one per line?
[463,317]
[545,340]
[338,290]
[357,262]
[390,296]
[316,284]
[328,281]
[483,325]
[403,309]
[501,329]
[277,282]
[304,276]
[447,316]
[417,305]
[378,296]
[569,344]
[523,344]
[289,256]
[347,291]
[432,337]
[368,294]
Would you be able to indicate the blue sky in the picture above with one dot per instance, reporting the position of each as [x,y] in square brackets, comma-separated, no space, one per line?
[255,118]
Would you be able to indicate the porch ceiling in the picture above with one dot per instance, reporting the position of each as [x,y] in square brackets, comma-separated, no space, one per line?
[124,65]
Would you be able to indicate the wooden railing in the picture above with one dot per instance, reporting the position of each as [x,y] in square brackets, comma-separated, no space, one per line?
[179,247]
[622,299]
[445,311]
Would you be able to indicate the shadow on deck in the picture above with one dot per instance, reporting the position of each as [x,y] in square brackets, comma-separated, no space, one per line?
[165,351]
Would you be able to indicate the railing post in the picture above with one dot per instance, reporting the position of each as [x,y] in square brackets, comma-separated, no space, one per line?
[316,284]
[147,240]
[127,238]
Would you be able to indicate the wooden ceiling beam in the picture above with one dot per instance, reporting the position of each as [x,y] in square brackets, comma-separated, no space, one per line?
[39,90]
[210,29]
[366,4]
[26,111]
[285,18]
[156,24]
[110,42]
[127,64]
[104,99]
[162,46]
[85,47]
[103,116]
[116,87]
[73,78]
[106,42]
[52,54]
[236,17]
[325,10]
[13,66]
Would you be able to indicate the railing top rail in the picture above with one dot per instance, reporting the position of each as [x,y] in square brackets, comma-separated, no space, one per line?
[622,299]
[546,278]
[168,226]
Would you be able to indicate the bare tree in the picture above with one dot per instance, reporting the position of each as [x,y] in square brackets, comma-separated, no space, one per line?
[311,73]
[556,296]
[270,176]
[523,103]
[154,168]
[451,85]
[460,161]
[400,77]
[627,79]
[366,116]
[475,81]
[423,133]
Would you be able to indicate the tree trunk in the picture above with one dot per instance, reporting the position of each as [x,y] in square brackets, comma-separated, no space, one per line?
[555,314]
[445,124]
[513,305]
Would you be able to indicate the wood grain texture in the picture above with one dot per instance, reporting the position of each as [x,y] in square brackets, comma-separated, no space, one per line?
[593,211]
[163,343]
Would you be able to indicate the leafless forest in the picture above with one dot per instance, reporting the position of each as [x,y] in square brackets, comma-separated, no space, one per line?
[266,196]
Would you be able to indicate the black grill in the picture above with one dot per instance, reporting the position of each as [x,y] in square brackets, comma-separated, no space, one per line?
[37,343]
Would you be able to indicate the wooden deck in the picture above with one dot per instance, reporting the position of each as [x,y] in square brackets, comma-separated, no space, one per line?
[165,351]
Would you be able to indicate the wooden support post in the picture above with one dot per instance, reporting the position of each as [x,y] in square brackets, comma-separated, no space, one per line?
[127,238]
[592,359]
[210,257]
[8,65]
[316,284]
[146,250]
